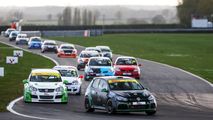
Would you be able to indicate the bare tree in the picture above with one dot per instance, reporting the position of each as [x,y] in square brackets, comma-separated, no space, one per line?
[67,16]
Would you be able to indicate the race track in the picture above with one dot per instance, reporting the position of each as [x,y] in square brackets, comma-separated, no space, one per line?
[179,95]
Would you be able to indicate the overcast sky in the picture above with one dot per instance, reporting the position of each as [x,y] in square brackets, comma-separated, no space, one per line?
[85,2]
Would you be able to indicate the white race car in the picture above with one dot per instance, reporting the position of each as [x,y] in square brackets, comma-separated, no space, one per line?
[45,85]
[70,74]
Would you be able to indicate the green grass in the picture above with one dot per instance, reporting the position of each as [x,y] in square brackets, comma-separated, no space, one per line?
[11,85]
[191,52]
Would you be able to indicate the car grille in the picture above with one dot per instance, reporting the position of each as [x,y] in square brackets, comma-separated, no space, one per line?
[67,51]
[139,106]
[45,97]
[127,71]
[46,90]
[96,70]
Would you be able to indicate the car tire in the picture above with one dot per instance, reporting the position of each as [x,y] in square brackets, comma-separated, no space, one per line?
[109,107]
[88,106]
[150,113]
[85,78]
[79,93]
[78,67]
[16,43]
[42,51]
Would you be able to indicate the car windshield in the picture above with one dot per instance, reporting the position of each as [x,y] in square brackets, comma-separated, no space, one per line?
[125,85]
[105,50]
[49,44]
[67,47]
[88,55]
[100,62]
[126,61]
[36,40]
[14,34]
[68,73]
[45,78]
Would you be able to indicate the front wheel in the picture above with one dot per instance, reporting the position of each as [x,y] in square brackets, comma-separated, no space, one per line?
[88,106]
[150,112]
[109,107]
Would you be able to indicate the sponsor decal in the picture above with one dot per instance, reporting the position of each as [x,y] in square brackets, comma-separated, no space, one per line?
[116,81]
[11,60]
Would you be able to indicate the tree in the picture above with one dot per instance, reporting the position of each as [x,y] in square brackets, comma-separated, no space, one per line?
[158,19]
[118,15]
[194,8]
[67,16]
[49,17]
[96,17]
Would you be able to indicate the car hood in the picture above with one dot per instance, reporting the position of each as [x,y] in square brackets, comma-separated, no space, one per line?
[133,93]
[70,79]
[49,85]
[126,67]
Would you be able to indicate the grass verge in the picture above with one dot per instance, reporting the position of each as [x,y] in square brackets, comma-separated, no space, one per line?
[11,85]
[191,52]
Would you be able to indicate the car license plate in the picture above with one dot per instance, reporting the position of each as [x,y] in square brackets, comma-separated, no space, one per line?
[68,53]
[46,94]
[139,103]
[127,73]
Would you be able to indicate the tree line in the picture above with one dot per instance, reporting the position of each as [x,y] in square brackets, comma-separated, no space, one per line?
[77,16]
[194,8]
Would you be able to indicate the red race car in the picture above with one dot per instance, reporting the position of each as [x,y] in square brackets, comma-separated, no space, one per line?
[127,66]
[67,51]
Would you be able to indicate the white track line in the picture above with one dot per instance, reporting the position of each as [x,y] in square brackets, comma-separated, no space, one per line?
[12,103]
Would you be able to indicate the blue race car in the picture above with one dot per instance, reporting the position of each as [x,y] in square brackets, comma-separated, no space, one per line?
[97,67]
[35,43]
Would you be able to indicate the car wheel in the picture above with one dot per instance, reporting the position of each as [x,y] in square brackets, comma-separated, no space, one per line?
[16,43]
[109,107]
[88,106]
[79,93]
[42,51]
[85,78]
[150,112]
[64,102]
[78,67]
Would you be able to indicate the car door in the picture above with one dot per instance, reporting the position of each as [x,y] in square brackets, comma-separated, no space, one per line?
[102,95]
[94,92]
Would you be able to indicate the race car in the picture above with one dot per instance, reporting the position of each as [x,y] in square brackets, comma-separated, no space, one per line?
[94,49]
[84,58]
[98,66]
[67,50]
[127,66]
[106,51]
[49,45]
[13,35]
[70,74]
[119,94]
[35,42]
[22,39]
[45,85]
[8,31]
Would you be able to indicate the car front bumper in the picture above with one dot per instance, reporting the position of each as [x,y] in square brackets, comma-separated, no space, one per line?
[73,89]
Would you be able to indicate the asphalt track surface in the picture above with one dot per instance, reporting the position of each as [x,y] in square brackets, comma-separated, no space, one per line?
[179,95]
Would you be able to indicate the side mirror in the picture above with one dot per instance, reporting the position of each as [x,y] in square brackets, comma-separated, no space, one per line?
[140,65]
[25,81]
[105,90]
[81,76]
[65,82]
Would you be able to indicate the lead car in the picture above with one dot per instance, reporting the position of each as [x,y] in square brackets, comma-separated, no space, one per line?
[45,85]
[119,94]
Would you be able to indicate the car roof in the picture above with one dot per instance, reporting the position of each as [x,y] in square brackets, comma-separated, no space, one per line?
[104,47]
[84,51]
[50,41]
[35,37]
[99,58]
[67,45]
[45,72]
[64,67]
[15,31]
[107,78]
[21,34]
[125,57]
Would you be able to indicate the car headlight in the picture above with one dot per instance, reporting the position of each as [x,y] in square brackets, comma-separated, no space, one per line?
[33,89]
[151,97]
[119,98]
[59,89]
[117,69]
[75,82]
[90,70]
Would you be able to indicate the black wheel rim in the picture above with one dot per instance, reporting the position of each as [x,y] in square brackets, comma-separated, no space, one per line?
[109,108]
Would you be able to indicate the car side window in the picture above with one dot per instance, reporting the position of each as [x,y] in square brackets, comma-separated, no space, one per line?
[103,85]
[95,83]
